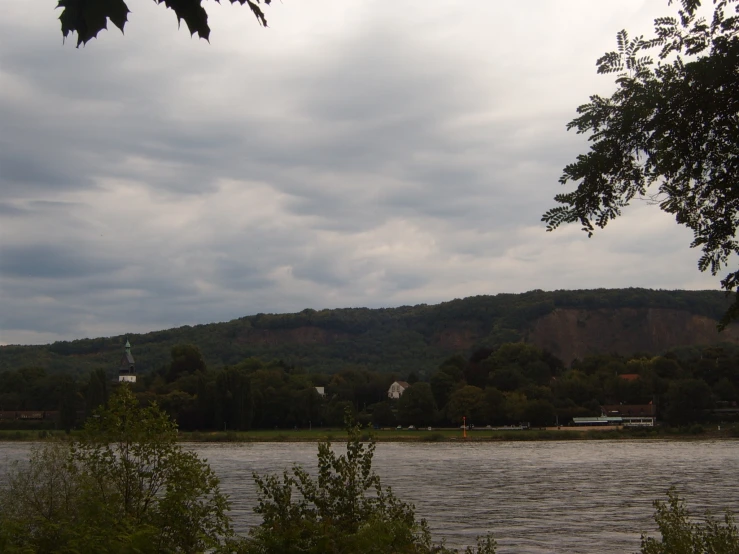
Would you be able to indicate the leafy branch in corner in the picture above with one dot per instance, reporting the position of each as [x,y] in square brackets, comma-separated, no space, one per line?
[88,17]
[670,131]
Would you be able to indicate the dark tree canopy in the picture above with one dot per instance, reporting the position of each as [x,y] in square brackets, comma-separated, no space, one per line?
[669,135]
[87,18]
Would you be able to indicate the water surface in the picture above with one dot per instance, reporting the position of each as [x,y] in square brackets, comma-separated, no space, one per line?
[536,497]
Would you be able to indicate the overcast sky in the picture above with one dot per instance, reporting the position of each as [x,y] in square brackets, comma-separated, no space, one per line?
[348,155]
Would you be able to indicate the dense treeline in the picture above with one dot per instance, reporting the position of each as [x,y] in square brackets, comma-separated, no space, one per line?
[389,339]
[513,383]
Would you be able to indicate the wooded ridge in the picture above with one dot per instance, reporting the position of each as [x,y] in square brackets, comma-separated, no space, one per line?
[569,324]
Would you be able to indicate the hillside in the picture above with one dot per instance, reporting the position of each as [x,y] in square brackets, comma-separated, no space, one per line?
[570,324]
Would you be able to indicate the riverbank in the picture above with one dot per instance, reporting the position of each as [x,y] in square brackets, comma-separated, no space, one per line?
[433,435]
[455,435]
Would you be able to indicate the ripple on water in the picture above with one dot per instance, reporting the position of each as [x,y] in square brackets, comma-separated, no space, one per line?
[536,497]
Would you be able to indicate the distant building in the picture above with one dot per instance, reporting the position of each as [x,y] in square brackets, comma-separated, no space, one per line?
[127,367]
[397,389]
[632,415]
[321,391]
[597,421]
[629,410]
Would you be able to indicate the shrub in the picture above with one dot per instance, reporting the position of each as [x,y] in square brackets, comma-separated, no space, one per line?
[124,486]
[345,509]
[681,536]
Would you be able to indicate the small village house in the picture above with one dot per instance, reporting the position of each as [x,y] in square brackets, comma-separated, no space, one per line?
[397,389]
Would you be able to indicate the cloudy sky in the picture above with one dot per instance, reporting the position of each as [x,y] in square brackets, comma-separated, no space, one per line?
[348,155]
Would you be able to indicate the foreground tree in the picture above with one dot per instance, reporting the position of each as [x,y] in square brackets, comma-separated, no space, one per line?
[124,486]
[88,18]
[345,509]
[42,505]
[669,134]
[680,535]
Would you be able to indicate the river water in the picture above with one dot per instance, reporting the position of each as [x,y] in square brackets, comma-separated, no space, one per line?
[535,497]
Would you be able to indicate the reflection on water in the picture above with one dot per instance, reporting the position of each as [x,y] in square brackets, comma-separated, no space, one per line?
[536,497]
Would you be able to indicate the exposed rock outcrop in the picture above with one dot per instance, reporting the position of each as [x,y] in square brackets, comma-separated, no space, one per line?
[570,333]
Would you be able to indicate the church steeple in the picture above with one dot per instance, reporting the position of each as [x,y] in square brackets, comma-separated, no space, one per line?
[127,367]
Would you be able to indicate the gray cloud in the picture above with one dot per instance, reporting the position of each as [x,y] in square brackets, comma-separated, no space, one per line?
[51,262]
[153,180]
[9,210]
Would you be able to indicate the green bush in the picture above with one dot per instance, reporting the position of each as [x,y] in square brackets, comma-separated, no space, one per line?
[345,509]
[680,535]
[124,485]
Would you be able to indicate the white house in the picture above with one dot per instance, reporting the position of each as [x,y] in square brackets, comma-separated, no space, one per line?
[397,389]
[321,391]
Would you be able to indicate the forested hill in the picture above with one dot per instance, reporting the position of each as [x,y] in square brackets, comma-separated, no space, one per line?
[570,324]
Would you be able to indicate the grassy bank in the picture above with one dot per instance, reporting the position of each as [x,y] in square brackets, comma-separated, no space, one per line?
[455,435]
[435,435]
[28,434]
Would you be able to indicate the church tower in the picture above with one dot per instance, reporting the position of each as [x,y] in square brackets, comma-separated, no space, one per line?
[127,368]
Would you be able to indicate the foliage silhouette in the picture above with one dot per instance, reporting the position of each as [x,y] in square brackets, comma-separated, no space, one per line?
[87,18]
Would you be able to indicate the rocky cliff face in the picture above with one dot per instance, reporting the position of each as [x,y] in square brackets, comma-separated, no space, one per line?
[574,333]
